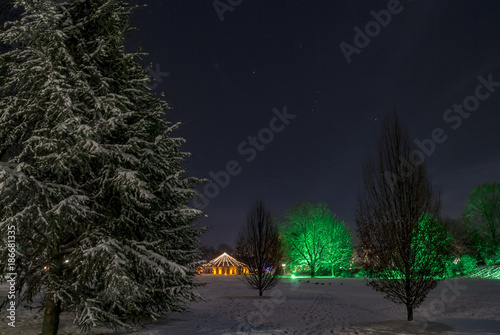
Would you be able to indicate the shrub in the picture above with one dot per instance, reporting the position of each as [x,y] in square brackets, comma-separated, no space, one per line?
[494,258]
[361,273]
[465,265]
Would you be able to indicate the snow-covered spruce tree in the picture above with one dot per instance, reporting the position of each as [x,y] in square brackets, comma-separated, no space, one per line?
[91,178]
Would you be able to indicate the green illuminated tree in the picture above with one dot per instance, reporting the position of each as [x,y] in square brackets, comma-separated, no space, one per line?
[315,237]
[482,215]
[259,246]
[431,249]
[397,194]
[339,251]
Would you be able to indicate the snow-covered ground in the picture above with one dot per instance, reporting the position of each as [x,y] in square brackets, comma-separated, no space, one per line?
[313,306]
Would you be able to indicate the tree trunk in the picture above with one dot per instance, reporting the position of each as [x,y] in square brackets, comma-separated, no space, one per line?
[312,271]
[51,315]
[409,312]
[261,282]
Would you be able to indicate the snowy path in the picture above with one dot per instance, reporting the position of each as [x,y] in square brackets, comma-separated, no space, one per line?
[315,306]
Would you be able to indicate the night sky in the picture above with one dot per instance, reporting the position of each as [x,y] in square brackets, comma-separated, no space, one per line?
[227,80]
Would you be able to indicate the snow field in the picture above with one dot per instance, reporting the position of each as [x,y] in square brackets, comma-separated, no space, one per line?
[316,306]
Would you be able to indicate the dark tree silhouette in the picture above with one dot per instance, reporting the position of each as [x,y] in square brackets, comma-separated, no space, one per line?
[225,248]
[462,242]
[394,215]
[482,216]
[259,246]
[208,252]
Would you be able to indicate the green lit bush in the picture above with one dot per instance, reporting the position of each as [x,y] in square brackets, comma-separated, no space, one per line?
[465,265]
[361,273]
[493,259]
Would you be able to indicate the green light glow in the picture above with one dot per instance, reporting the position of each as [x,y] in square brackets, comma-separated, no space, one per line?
[494,259]
[490,272]
[430,248]
[316,241]
[461,266]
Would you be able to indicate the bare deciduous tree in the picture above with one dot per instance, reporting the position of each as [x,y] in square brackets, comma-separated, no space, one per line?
[259,246]
[483,214]
[397,195]
[462,242]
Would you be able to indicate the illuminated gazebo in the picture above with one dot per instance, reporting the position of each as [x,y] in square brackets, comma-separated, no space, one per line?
[225,265]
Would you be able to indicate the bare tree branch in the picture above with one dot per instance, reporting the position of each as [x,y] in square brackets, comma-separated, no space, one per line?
[259,246]
[395,217]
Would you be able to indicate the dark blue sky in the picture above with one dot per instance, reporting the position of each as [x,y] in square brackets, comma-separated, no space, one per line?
[225,77]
